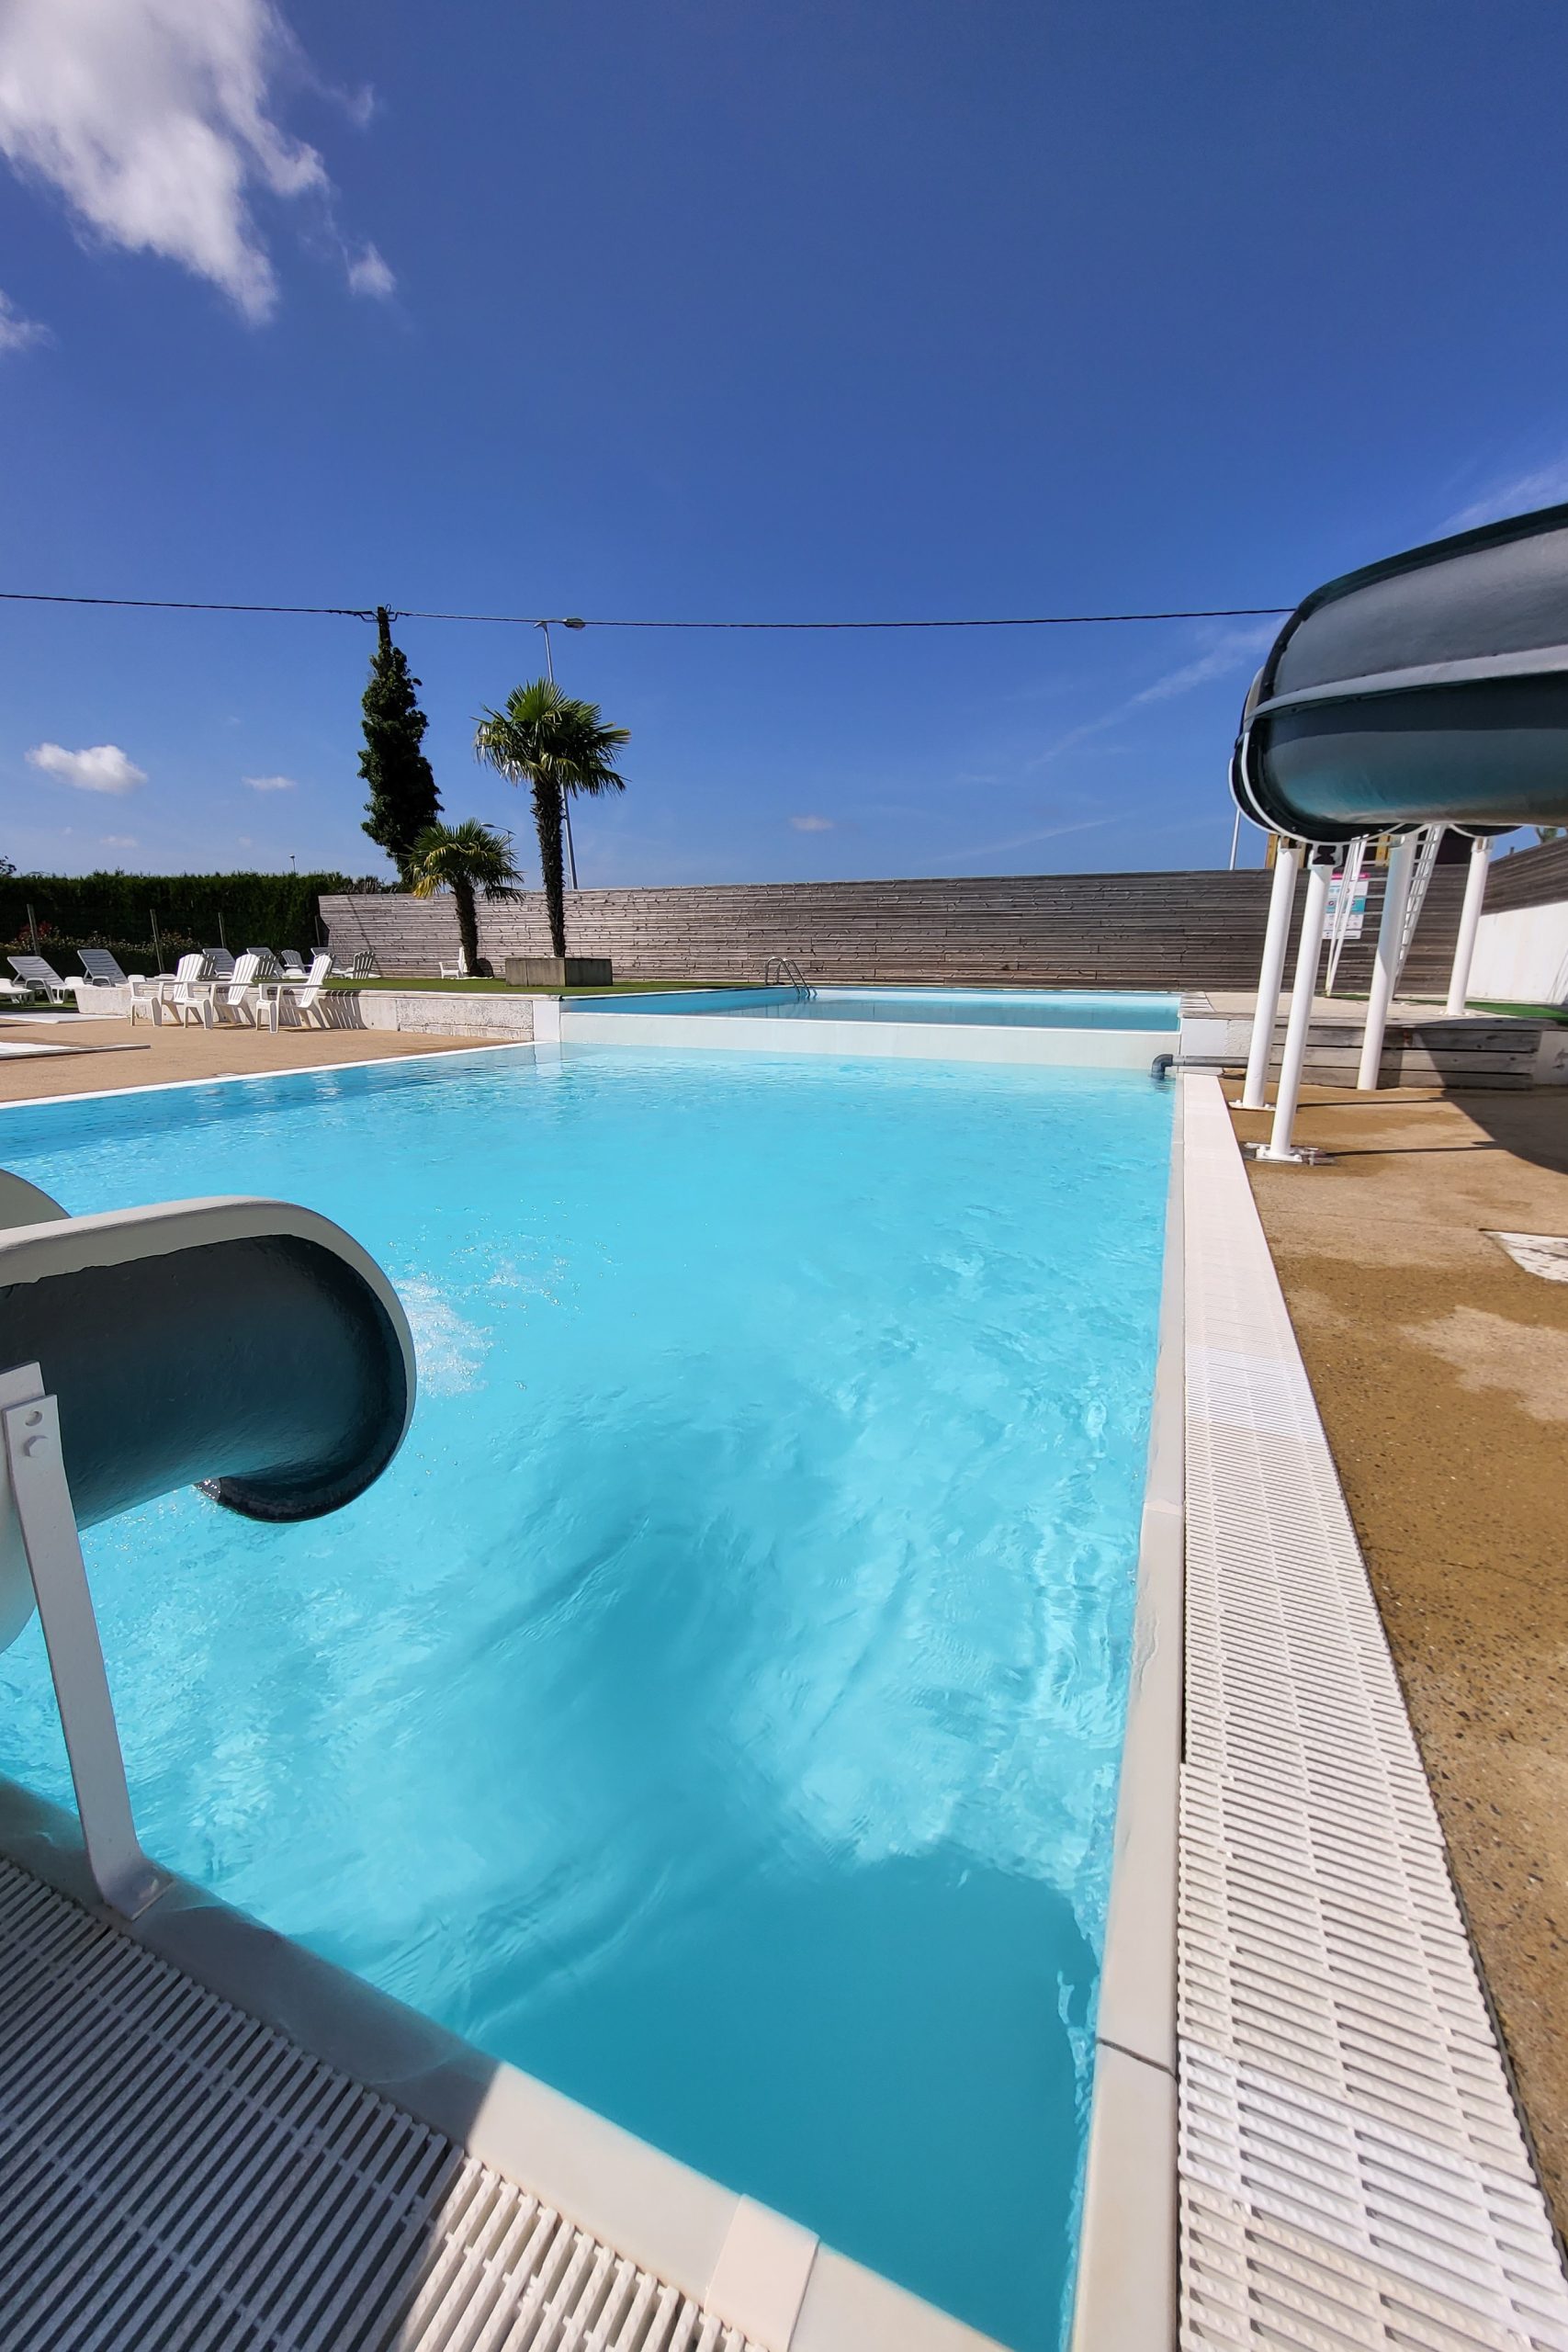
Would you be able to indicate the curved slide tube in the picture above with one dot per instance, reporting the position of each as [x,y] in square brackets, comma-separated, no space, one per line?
[246,1346]
[1432,688]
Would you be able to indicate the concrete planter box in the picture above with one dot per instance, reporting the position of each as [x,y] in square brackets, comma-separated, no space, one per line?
[558,972]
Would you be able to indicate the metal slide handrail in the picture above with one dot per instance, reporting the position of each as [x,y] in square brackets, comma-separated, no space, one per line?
[1425,862]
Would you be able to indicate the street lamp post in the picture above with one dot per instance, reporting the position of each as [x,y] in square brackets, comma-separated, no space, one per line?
[565,796]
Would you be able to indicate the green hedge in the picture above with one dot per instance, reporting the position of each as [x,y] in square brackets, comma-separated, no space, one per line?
[256,910]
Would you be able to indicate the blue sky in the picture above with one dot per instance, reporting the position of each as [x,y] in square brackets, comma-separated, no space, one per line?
[825,308]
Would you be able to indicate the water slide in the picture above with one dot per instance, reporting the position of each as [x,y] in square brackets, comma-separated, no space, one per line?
[1432,688]
[247,1347]
[1426,691]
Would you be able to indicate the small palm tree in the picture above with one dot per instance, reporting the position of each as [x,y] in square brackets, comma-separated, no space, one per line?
[555,744]
[464,858]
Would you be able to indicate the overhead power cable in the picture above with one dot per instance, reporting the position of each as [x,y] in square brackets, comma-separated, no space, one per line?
[536,620]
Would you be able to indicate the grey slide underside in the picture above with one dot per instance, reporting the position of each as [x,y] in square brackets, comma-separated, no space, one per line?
[1430,688]
[248,1347]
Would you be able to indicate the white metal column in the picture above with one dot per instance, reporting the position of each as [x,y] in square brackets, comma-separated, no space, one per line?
[1319,870]
[1469,924]
[32,1474]
[1385,964]
[1287,865]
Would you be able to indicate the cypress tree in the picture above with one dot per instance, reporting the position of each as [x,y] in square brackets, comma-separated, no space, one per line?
[403,799]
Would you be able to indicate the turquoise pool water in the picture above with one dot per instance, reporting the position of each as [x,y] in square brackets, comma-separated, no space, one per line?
[985,1008]
[715,1709]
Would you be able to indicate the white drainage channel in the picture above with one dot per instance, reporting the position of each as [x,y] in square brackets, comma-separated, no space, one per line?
[1352,2169]
[174,2172]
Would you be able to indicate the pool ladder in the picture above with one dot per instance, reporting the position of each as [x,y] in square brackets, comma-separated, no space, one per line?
[787,971]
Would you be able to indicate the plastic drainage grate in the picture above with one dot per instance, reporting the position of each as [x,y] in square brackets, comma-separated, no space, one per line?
[173,2172]
[1353,2171]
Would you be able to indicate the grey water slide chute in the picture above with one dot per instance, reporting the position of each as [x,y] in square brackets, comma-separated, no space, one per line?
[1432,688]
[244,1346]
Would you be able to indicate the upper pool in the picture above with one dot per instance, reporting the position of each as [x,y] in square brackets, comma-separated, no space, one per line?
[973,1008]
[715,1709]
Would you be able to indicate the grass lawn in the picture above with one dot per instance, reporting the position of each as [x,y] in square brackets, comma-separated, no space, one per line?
[503,987]
[1557,1013]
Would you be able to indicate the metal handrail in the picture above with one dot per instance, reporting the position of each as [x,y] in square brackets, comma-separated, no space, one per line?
[788,969]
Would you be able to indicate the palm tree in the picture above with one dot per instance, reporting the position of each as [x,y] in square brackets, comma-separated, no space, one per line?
[464,858]
[555,744]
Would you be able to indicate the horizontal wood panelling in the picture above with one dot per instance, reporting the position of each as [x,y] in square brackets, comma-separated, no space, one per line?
[1192,930]
[1530,877]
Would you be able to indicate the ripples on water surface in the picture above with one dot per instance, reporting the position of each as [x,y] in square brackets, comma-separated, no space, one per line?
[715,1709]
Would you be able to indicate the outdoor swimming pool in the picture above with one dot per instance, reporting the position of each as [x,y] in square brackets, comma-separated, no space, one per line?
[983,1008]
[715,1709]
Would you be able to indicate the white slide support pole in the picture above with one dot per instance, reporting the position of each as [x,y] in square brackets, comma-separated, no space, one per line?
[1469,924]
[34,1473]
[1385,964]
[1287,865]
[1319,870]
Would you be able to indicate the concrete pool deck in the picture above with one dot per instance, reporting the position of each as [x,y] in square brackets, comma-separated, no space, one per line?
[144,1055]
[1441,1369]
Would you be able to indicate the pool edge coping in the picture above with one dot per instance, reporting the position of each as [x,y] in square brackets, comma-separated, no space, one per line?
[1125,2295]
[259,1077]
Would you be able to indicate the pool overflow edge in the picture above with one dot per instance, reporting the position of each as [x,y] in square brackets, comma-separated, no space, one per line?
[1125,2295]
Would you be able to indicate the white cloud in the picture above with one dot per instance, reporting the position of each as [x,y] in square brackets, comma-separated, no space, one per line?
[102,768]
[1548,486]
[1232,650]
[270,782]
[153,119]
[812,824]
[17,333]
[1026,841]
[368,274]
[119,840]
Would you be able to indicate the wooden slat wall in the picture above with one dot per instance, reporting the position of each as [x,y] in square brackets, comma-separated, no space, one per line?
[1167,930]
[1530,877]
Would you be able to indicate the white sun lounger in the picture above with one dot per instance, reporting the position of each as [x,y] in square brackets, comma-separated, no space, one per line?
[39,975]
[101,968]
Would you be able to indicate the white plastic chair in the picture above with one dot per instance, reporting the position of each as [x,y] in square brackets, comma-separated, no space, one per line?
[307,1001]
[293,969]
[185,996]
[220,963]
[242,1000]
